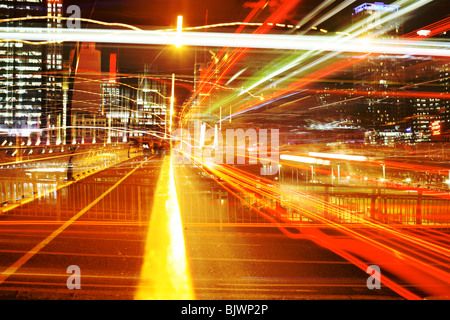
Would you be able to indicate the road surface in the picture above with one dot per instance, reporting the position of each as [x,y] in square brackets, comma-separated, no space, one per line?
[103,224]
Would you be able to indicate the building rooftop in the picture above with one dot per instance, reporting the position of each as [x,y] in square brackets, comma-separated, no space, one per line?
[377,6]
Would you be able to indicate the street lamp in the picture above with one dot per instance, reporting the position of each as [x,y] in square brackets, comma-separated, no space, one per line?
[339,174]
[332,176]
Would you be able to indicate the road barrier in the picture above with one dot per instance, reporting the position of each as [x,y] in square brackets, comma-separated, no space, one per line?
[26,180]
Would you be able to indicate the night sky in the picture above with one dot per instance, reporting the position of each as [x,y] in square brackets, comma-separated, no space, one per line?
[162,13]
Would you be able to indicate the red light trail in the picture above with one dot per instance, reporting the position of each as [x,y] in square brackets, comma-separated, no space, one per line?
[435,28]
[419,257]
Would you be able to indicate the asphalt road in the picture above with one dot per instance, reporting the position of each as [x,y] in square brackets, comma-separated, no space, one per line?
[100,224]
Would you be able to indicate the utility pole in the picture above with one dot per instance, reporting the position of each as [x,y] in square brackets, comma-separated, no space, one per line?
[172,99]
[72,74]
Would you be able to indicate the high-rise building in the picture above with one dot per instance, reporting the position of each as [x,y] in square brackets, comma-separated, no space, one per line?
[151,102]
[30,74]
[53,76]
[377,76]
[87,93]
[444,86]
[21,69]
[429,77]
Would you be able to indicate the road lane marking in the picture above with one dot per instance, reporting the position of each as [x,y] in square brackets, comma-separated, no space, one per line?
[165,273]
[15,266]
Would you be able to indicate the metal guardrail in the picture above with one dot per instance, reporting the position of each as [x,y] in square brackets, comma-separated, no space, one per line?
[386,208]
[22,183]
[214,205]
[205,202]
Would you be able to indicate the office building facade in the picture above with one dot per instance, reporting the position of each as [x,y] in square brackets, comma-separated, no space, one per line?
[30,74]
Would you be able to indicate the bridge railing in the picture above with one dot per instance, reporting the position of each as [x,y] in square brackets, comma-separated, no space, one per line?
[27,180]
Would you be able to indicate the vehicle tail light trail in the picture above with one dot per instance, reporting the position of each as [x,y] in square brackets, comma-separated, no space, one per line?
[435,28]
[420,259]
[279,14]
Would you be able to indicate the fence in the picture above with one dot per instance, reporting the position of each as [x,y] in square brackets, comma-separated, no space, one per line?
[23,182]
[379,205]
[206,202]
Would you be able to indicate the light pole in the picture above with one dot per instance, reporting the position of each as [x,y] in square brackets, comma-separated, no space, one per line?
[48,130]
[339,174]
[94,140]
[172,99]
[73,131]
[109,120]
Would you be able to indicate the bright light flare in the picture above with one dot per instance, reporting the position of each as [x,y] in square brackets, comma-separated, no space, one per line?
[423,33]
[301,159]
[216,39]
[47,170]
[178,42]
[423,259]
[337,156]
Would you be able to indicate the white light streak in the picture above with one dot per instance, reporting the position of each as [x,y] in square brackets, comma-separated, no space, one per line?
[48,170]
[261,41]
[354,31]
[423,33]
[337,156]
[301,159]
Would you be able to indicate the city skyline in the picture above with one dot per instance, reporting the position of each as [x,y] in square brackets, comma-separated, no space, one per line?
[246,150]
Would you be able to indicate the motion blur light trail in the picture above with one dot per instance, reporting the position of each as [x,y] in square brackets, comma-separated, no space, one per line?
[435,28]
[233,40]
[292,161]
[227,64]
[415,262]
[165,273]
[209,73]
[336,41]
[288,62]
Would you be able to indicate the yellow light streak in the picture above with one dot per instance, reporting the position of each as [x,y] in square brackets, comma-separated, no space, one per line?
[165,273]
[179,29]
[109,24]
